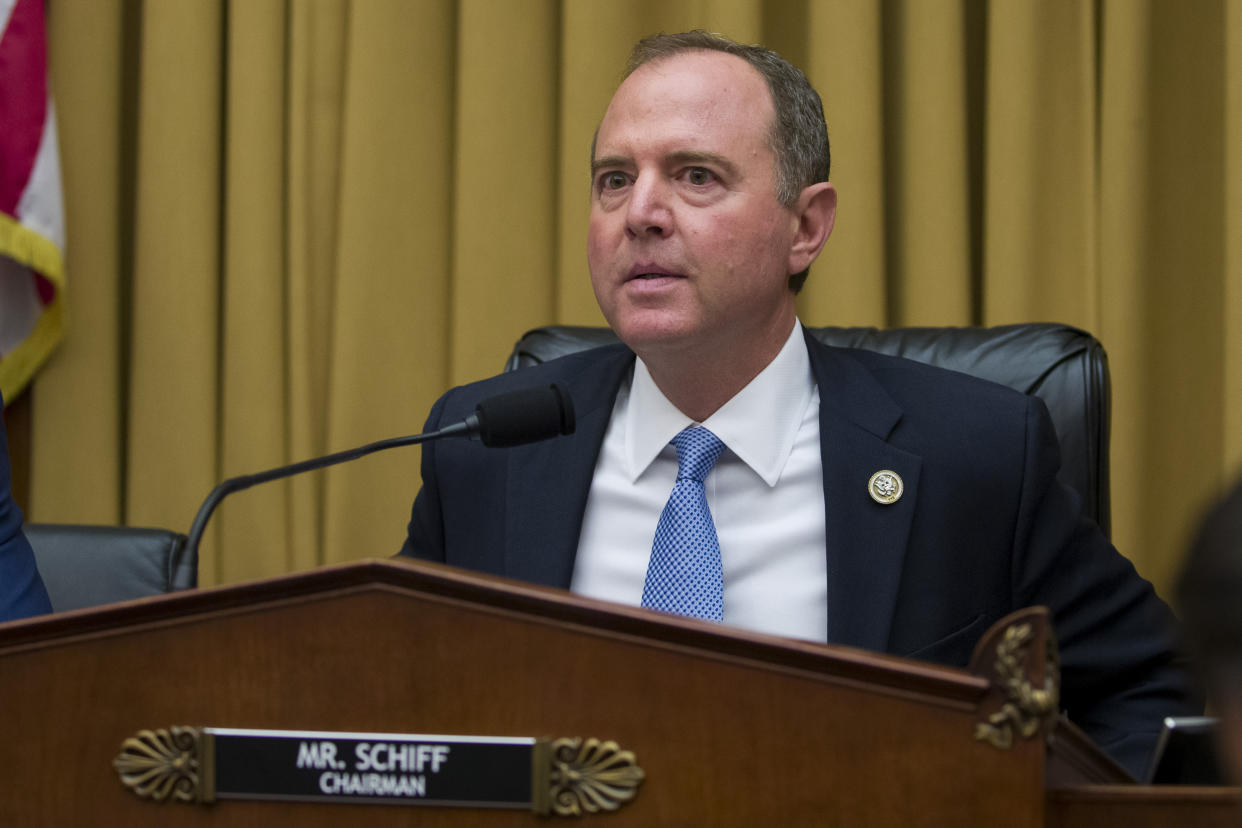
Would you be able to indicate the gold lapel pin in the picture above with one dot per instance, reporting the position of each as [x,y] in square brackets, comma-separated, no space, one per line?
[885,487]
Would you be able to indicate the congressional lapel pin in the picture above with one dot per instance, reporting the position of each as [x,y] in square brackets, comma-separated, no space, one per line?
[885,487]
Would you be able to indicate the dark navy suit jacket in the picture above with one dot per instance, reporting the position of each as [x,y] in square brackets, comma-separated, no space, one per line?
[21,589]
[982,529]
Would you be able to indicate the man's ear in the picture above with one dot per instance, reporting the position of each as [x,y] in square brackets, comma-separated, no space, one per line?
[816,211]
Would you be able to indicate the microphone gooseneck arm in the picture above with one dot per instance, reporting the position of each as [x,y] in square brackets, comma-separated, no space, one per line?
[524,416]
[245,481]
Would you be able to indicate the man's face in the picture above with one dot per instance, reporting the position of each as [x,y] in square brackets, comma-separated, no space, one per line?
[688,245]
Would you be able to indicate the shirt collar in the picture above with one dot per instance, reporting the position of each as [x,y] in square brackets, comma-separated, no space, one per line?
[777,399]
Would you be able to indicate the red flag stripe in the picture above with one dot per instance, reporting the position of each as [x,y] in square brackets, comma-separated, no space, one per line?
[23,98]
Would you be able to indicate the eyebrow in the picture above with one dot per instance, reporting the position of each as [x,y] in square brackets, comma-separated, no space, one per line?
[608,162]
[678,157]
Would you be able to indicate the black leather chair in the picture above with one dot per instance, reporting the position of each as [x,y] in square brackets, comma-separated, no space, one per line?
[84,566]
[1064,366]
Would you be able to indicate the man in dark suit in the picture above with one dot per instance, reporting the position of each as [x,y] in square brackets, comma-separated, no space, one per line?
[1208,592]
[21,589]
[856,499]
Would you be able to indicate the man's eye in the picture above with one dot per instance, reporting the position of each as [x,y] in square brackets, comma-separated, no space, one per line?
[613,181]
[699,176]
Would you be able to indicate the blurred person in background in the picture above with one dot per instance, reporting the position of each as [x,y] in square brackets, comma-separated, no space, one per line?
[1210,596]
[21,589]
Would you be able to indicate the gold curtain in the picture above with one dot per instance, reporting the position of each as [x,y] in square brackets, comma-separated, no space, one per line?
[293,223]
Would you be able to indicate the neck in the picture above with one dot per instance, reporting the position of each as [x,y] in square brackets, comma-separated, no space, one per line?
[698,381]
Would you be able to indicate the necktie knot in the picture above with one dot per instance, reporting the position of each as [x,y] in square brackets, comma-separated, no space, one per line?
[697,452]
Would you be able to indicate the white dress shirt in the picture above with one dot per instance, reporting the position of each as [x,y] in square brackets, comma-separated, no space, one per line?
[766,495]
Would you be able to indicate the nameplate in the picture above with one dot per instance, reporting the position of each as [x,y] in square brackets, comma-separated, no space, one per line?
[314,766]
[566,776]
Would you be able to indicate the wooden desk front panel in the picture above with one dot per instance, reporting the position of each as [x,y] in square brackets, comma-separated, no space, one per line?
[724,739]
[1132,806]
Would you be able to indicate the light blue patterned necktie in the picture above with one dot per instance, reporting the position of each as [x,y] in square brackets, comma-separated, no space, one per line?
[685,575]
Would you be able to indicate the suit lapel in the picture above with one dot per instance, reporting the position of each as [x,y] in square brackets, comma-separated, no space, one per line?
[866,541]
[548,482]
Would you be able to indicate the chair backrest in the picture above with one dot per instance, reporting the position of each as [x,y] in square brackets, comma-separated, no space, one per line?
[1064,366]
[84,566]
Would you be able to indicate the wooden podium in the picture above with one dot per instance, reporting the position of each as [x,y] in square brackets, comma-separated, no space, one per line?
[727,727]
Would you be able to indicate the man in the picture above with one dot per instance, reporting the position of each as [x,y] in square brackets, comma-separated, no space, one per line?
[842,496]
[1208,592]
[21,589]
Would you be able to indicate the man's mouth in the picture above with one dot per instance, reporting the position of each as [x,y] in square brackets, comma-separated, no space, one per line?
[647,273]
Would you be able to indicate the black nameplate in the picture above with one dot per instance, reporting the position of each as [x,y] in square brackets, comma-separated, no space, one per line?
[490,772]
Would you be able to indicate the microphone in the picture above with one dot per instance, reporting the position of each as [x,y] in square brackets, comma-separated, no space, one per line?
[520,417]
[513,419]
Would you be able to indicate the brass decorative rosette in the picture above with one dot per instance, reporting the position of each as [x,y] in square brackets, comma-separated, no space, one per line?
[161,764]
[588,776]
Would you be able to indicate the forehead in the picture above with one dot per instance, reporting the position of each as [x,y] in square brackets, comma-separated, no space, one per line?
[697,96]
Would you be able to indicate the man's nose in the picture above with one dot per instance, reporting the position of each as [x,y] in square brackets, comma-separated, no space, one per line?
[648,212]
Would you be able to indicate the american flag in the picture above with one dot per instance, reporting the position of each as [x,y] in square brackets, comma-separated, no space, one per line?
[32,224]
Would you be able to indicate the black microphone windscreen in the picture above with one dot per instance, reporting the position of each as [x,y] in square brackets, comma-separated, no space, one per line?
[525,416]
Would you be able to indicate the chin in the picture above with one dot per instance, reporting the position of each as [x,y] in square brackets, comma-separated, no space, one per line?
[652,335]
